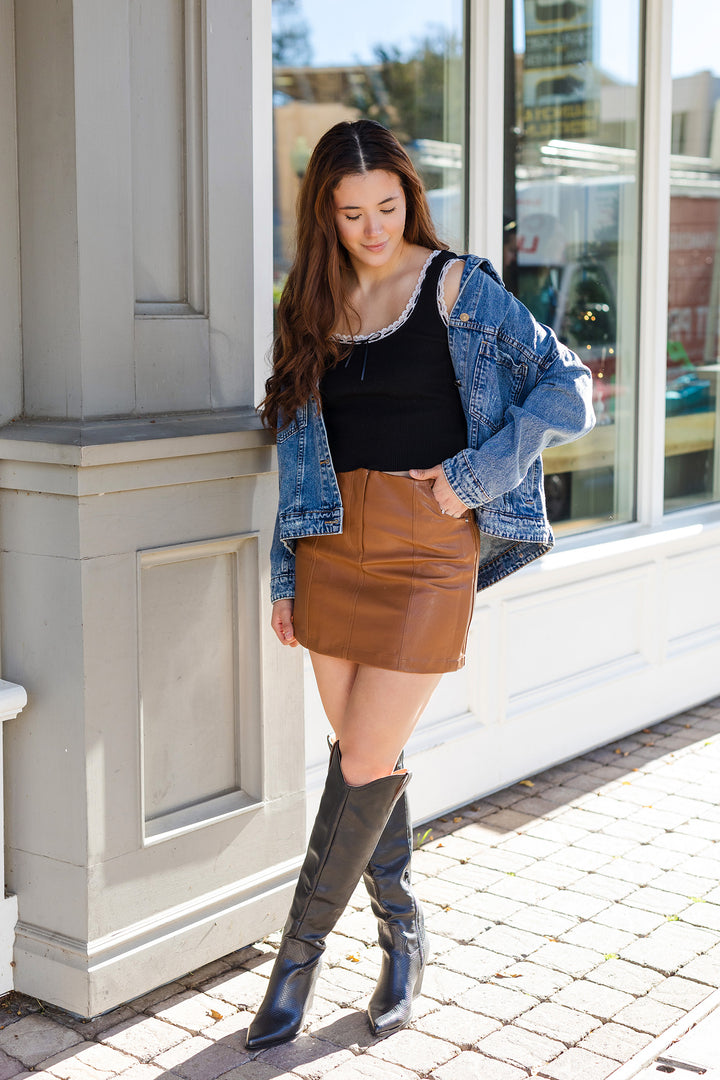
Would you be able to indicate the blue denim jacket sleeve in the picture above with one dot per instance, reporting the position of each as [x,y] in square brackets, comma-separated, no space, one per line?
[555,406]
[282,568]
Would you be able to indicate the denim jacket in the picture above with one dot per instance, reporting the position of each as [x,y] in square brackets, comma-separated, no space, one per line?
[521,390]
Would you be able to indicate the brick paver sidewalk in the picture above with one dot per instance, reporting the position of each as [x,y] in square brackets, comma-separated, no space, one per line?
[573,917]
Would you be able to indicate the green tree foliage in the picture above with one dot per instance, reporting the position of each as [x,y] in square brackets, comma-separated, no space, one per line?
[417,93]
[291,44]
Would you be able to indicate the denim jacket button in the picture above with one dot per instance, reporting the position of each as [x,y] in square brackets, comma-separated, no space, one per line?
[464,317]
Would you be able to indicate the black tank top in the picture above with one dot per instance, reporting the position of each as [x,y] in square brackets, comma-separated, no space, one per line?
[393,404]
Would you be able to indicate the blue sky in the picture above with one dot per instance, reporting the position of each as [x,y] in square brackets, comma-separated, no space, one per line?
[346,33]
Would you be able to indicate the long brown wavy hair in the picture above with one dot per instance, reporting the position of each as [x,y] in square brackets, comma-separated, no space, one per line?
[315,294]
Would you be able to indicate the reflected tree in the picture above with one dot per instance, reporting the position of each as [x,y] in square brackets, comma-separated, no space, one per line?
[417,92]
[291,44]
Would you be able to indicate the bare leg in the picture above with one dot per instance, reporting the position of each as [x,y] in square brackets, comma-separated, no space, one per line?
[373,712]
[335,679]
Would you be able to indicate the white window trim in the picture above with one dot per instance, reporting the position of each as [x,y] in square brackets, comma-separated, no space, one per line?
[486,24]
[485,164]
[654,262]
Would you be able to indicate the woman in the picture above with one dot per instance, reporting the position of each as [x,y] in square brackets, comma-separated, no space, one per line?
[411,396]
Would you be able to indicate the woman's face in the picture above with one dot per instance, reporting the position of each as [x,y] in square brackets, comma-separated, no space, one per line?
[370,216]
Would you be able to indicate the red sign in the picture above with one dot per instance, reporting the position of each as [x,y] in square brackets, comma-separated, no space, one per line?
[693,248]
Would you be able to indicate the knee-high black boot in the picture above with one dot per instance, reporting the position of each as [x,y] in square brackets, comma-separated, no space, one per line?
[343,838]
[401,930]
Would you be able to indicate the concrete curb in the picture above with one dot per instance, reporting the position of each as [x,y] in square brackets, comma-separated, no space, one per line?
[650,1053]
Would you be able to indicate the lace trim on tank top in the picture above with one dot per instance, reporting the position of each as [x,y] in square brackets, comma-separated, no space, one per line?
[442,306]
[377,335]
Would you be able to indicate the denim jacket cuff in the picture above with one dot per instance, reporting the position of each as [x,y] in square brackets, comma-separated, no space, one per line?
[463,481]
[282,587]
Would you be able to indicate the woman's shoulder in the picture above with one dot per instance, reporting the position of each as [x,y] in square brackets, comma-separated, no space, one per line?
[480,270]
[451,277]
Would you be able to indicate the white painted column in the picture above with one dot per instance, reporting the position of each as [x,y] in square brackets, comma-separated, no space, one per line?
[155,802]
[155,799]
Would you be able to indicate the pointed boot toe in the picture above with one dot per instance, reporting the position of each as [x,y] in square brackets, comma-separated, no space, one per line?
[400,982]
[288,997]
[401,929]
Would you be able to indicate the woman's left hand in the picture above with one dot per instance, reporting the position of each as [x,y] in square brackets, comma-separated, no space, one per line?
[445,497]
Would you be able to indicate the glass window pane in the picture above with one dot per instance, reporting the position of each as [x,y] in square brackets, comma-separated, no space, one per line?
[401,63]
[692,475]
[571,225]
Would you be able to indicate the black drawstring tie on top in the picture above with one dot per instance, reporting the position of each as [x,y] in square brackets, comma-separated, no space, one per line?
[364,363]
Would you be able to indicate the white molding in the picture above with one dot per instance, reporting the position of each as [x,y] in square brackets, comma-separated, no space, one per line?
[88,978]
[195,156]
[654,247]
[245,720]
[178,265]
[100,442]
[197,816]
[171,920]
[8,921]
[197,549]
[231,229]
[707,636]
[13,699]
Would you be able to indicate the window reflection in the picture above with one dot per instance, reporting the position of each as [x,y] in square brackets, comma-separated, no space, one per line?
[691,435]
[402,64]
[570,229]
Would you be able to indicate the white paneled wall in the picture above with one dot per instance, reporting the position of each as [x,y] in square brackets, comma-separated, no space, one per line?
[590,643]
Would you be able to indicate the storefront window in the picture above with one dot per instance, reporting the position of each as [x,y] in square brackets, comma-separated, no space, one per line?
[402,64]
[692,472]
[571,225]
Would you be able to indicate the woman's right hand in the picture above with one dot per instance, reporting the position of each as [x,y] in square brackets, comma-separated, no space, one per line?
[282,622]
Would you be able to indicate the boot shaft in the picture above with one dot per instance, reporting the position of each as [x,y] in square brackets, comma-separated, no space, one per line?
[346,830]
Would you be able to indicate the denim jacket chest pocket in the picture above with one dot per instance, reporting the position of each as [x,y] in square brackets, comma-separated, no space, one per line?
[499,378]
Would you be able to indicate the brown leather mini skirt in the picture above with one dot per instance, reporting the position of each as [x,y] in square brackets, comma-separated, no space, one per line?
[396,588]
